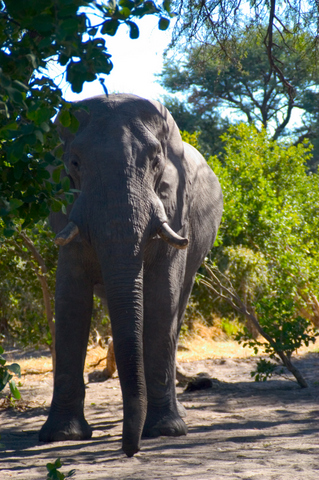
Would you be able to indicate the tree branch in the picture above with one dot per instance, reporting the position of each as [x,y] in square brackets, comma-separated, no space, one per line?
[268,41]
[230,296]
[44,287]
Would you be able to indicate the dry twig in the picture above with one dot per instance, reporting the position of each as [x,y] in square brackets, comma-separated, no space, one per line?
[230,296]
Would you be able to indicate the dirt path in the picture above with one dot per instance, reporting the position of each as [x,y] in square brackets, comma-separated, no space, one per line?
[238,429]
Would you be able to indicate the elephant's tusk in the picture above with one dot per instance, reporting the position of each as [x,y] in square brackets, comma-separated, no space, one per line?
[167,234]
[67,234]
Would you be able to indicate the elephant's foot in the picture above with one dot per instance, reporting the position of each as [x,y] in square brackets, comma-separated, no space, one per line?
[163,423]
[58,428]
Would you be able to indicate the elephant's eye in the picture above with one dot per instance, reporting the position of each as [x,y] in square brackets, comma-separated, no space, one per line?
[75,163]
[156,163]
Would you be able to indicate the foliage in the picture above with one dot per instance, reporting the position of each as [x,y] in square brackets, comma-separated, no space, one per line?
[238,86]
[32,35]
[23,319]
[267,244]
[278,317]
[6,375]
[280,342]
[22,315]
[53,472]
[204,21]
[271,204]
[271,208]
[208,125]
[264,370]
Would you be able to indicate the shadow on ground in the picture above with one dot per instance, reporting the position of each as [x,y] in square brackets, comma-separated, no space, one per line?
[239,429]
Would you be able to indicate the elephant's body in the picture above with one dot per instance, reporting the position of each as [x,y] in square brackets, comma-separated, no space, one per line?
[136,176]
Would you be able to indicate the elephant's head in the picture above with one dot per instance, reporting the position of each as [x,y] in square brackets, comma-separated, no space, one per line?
[126,161]
[120,152]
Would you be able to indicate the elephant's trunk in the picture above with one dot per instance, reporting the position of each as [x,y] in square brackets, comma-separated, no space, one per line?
[124,292]
[118,237]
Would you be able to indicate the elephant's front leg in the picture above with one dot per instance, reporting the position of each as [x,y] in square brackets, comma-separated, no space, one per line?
[162,294]
[74,298]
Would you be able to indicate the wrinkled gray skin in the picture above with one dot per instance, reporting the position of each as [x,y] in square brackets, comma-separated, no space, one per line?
[136,177]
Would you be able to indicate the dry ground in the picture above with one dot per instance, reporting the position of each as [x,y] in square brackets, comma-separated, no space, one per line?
[238,429]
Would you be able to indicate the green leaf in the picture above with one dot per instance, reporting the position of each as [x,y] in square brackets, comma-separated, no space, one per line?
[8,232]
[39,136]
[65,118]
[163,23]
[18,170]
[56,175]
[127,4]
[110,27]
[134,31]
[167,6]
[14,390]
[74,125]
[92,31]
[15,95]
[69,26]
[56,205]
[65,182]
[15,203]
[5,81]
[43,23]
[4,379]
[14,368]
[45,127]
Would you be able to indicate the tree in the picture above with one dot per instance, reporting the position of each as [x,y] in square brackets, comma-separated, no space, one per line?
[208,124]
[204,20]
[32,34]
[266,250]
[267,240]
[236,83]
[27,273]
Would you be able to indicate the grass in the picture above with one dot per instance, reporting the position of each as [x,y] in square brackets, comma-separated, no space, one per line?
[204,343]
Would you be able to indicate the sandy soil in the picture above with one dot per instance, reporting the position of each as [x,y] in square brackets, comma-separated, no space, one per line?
[238,429]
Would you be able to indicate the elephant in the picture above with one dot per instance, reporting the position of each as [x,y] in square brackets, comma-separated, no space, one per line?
[147,212]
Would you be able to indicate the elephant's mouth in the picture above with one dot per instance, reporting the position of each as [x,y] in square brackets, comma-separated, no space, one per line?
[164,231]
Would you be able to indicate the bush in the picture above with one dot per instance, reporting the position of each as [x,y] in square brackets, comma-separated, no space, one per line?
[266,244]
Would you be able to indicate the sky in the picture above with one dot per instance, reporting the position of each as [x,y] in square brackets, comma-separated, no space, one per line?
[136,62]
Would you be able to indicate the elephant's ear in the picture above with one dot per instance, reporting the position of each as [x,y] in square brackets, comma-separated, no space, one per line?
[174,185]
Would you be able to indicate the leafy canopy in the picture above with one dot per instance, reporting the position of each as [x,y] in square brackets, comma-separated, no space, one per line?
[271,208]
[32,34]
[235,84]
[207,22]
[267,243]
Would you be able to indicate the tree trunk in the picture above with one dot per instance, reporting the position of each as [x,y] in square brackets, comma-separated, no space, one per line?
[45,291]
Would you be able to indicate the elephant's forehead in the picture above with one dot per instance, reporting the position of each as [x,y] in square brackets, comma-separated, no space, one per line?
[115,134]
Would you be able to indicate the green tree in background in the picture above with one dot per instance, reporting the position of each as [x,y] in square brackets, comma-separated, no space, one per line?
[214,22]
[266,251]
[235,85]
[267,241]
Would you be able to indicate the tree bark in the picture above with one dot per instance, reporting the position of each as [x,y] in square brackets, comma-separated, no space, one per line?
[233,299]
[41,274]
